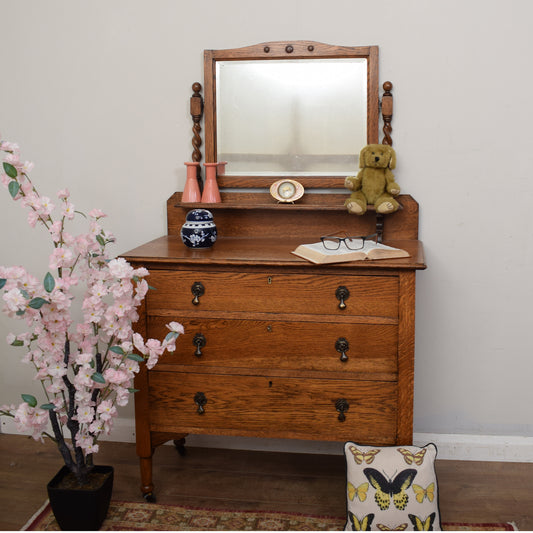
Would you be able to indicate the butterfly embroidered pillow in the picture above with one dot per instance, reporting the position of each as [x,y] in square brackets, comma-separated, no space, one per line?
[391,488]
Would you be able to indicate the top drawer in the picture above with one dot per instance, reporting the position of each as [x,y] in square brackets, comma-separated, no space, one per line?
[341,294]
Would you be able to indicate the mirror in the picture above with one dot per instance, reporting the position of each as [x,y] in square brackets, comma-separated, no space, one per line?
[299,109]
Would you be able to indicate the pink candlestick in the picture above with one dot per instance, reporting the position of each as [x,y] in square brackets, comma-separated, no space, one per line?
[221,168]
[191,192]
[211,194]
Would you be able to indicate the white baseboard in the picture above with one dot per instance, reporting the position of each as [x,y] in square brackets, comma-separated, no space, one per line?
[479,447]
[450,446]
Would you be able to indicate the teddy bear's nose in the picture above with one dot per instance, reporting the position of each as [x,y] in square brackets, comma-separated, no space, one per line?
[376,159]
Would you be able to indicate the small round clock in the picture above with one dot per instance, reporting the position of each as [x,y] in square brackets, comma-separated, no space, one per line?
[286,190]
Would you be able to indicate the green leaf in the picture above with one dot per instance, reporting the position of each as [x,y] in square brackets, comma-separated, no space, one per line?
[20,312]
[48,406]
[29,399]
[25,293]
[172,335]
[135,357]
[49,282]
[13,188]
[17,343]
[133,391]
[117,349]
[98,377]
[100,240]
[2,283]
[37,303]
[152,288]
[10,170]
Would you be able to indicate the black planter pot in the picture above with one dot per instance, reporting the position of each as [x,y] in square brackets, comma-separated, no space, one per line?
[80,509]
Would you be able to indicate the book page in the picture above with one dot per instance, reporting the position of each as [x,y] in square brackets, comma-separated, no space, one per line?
[317,253]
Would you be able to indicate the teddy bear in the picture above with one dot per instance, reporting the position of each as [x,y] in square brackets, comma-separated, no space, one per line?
[374,184]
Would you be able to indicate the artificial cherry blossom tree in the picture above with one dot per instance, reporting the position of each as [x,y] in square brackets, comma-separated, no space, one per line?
[86,367]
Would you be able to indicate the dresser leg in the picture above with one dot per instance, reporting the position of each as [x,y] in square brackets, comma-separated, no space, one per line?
[147,487]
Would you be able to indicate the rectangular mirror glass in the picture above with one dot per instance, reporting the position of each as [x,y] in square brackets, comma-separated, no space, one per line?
[304,117]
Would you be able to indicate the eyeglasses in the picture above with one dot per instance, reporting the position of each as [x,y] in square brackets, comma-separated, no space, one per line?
[333,242]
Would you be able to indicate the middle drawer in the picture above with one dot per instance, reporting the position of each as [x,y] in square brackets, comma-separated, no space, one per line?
[316,346]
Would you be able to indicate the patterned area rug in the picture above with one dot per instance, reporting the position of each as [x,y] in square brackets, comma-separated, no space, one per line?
[128,516]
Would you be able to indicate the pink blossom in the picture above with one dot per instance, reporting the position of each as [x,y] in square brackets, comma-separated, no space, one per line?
[68,211]
[83,396]
[27,167]
[44,206]
[138,342]
[86,443]
[63,194]
[55,387]
[14,300]
[83,358]
[106,410]
[13,159]
[84,414]
[61,257]
[8,146]
[55,229]
[96,213]
[176,327]
[97,427]
[123,396]
[66,282]
[120,268]
[33,217]
[99,289]
[115,376]
[31,419]
[84,377]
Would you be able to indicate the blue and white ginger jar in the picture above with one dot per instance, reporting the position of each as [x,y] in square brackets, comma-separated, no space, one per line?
[199,230]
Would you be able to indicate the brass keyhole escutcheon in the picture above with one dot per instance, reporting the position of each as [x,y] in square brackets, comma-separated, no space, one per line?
[269,328]
[342,293]
[269,280]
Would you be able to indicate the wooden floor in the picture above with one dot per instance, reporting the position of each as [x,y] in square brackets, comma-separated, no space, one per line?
[314,484]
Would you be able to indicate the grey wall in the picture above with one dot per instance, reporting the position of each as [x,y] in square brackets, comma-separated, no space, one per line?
[97,94]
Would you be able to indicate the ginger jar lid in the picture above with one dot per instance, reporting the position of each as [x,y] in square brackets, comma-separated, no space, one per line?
[199,215]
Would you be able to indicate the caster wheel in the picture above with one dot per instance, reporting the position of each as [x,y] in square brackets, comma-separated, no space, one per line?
[180,447]
[149,497]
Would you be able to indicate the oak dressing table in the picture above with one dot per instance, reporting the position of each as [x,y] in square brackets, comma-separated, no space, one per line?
[275,346]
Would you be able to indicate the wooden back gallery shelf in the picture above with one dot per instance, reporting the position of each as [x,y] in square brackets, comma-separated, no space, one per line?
[258,214]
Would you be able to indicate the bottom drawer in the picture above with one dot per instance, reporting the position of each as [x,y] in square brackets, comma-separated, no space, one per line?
[273,407]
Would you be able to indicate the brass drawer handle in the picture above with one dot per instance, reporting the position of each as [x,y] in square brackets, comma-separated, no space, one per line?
[197,290]
[342,406]
[200,400]
[342,293]
[199,341]
[342,346]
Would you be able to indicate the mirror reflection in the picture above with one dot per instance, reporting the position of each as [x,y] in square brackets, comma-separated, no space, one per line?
[291,117]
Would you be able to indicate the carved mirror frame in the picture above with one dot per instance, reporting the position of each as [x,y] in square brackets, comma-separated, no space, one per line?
[287,50]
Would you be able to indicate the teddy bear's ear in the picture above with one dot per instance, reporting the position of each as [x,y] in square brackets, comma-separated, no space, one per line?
[362,156]
[392,162]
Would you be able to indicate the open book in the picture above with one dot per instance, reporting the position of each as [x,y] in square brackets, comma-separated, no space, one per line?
[316,253]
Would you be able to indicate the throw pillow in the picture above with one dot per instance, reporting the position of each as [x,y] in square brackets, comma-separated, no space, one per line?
[391,488]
